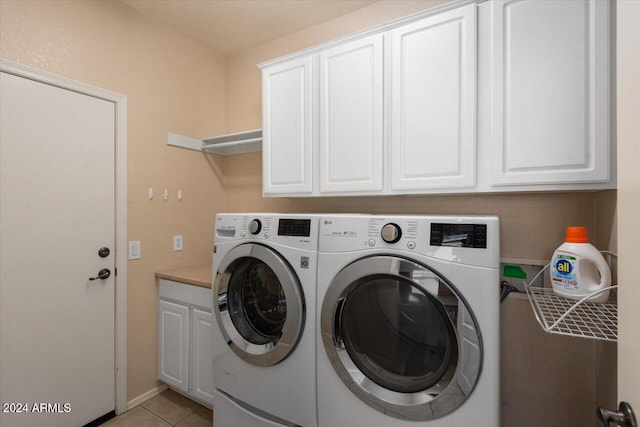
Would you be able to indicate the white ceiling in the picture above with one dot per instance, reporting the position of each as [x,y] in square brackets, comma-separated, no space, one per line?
[229,26]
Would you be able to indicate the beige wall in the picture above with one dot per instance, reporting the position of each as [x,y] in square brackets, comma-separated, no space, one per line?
[172,85]
[531,225]
[244,105]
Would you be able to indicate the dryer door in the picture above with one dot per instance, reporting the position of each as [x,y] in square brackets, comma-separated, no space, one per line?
[260,304]
[401,337]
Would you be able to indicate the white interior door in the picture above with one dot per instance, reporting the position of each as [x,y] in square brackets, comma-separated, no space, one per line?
[57,189]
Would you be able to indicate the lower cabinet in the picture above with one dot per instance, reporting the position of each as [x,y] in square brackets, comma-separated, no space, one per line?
[201,355]
[185,339]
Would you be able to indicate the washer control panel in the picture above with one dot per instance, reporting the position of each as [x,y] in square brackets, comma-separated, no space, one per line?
[296,231]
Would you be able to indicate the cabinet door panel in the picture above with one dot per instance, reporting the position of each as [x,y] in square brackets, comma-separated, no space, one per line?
[550,92]
[173,336]
[202,348]
[287,127]
[351,97]
[433,94]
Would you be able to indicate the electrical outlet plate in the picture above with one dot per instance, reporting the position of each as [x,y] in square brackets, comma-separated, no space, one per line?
[135,249]
[177,243]
[529,267]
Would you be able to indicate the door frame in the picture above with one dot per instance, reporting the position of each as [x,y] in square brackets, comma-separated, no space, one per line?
[120,103]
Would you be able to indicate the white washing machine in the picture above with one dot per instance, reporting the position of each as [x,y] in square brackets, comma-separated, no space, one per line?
[264,301]
[408,310]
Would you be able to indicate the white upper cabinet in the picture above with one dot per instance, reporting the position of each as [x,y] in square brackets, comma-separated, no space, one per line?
[351,116]
[433,102]
[550,92]
[495,96]
[287,127]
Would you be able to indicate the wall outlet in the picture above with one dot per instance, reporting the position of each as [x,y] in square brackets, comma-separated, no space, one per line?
[517,273]
[177,243]
[135,250]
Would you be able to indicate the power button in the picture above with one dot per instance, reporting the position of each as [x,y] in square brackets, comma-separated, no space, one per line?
[371,242]
[411,245]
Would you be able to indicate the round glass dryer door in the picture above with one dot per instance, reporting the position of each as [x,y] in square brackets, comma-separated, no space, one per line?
[259,304]
[401,337]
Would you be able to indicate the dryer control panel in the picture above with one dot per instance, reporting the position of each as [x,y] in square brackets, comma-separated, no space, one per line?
[470,240]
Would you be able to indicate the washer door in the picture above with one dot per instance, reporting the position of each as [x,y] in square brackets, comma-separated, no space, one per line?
[401,337]
[259,304]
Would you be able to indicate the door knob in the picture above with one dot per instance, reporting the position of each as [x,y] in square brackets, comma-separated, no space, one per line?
[103,274]
[623,417]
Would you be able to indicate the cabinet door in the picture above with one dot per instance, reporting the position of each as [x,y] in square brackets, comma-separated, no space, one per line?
[202,355]
[173,345]
[350,116]
[433,102]
[287,127]
[549,95]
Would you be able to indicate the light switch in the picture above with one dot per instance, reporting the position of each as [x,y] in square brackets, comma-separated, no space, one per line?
[135,251]
[177,243]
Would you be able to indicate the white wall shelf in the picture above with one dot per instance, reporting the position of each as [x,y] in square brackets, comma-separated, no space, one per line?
[558,315]
[234,143]
[583,319]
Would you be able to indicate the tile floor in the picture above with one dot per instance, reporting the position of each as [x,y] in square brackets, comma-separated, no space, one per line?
[166,409]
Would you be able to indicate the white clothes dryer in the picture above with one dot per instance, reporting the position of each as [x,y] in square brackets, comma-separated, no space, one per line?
[408,316]
[264,301]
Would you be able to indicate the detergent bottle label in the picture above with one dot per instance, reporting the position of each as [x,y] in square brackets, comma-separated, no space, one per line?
[564,272]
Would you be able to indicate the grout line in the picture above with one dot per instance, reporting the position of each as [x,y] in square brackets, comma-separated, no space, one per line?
[156,415]
[167,421]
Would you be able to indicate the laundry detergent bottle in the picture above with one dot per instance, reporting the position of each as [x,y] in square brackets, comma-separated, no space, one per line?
[578,268]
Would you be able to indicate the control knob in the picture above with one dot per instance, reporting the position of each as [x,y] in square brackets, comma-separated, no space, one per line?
[255,226]
[391,233]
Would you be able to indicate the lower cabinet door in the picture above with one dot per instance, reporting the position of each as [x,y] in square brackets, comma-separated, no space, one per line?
[173,344]
[202,353]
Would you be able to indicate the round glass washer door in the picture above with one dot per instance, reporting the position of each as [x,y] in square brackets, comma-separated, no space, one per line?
[259,304]
[401,337]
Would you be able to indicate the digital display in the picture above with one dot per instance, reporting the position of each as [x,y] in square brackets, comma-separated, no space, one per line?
[294,227]
[459,235]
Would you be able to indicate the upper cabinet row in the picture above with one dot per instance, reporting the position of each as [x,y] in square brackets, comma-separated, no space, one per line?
[499,96]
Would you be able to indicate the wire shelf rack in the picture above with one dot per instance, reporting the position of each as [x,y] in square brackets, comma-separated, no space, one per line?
[564,316]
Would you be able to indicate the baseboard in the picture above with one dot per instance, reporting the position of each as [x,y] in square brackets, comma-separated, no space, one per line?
[146,396]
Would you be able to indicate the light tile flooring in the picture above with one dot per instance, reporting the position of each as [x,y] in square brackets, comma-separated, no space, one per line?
[166,409]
